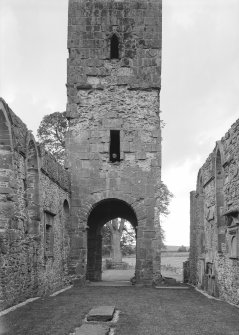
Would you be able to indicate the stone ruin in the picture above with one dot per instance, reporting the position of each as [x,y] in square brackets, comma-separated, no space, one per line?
[214,221]
[34,214]
[51,217]
[114,141]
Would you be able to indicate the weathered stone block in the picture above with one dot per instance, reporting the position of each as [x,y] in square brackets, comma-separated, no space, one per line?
[101,313]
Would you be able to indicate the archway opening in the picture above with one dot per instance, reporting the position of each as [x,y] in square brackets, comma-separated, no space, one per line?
[118,250]
[102,213]
[32,189]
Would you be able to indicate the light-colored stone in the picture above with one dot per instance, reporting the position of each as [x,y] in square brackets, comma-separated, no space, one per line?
[101,313]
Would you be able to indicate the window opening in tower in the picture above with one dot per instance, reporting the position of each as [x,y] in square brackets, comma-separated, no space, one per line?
[114,47]
[114,146]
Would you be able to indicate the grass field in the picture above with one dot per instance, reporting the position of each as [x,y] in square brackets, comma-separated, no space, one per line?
[175,254]
[171,264]
[143,311]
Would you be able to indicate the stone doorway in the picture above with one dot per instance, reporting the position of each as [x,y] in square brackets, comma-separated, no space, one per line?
[101,213]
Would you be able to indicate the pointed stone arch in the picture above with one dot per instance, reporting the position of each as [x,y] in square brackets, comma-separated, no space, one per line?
[114,45]
[201,208]
[5,129]
[32,186]
[201,240]
[7,190]
[6,166]
[219,183]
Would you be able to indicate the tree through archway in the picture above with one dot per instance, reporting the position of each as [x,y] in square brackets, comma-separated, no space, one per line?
[118,248]
[103,212]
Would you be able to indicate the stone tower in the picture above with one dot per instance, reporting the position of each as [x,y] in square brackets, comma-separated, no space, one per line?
[114,141]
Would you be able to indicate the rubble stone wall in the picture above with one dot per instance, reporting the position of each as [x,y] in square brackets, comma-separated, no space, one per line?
[120,94]
[46,212]
[215,225]
[31,184]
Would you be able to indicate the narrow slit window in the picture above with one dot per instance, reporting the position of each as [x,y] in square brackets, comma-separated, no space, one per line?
[114,47]
[234,247]
[49,240]
[114,146]
[49,236]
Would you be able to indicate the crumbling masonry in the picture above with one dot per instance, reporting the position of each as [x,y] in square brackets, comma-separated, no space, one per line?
[114,142]
[214,240]
[51,217]
[34,215]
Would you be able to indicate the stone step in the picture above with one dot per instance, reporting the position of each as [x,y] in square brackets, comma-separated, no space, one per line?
[88,329]
[101,313]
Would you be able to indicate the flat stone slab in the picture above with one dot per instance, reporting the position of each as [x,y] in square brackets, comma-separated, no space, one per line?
[87,329]
[101,313]
[110,283]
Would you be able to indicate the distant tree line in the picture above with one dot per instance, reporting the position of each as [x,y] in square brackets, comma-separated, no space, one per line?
[182,249]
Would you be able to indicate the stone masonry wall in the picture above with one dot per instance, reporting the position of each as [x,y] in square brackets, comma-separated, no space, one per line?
[136,178]
[53,271]
[121,94]
[31,184]
[216,208]
[91,24]
[40,249]
[193,256]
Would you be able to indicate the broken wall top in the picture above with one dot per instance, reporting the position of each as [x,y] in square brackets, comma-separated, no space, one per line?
[228,147]
[20,138]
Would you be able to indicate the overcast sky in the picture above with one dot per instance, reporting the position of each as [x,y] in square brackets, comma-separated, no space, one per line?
[200,81]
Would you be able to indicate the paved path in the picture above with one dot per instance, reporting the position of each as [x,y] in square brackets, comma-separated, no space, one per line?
[143,311]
